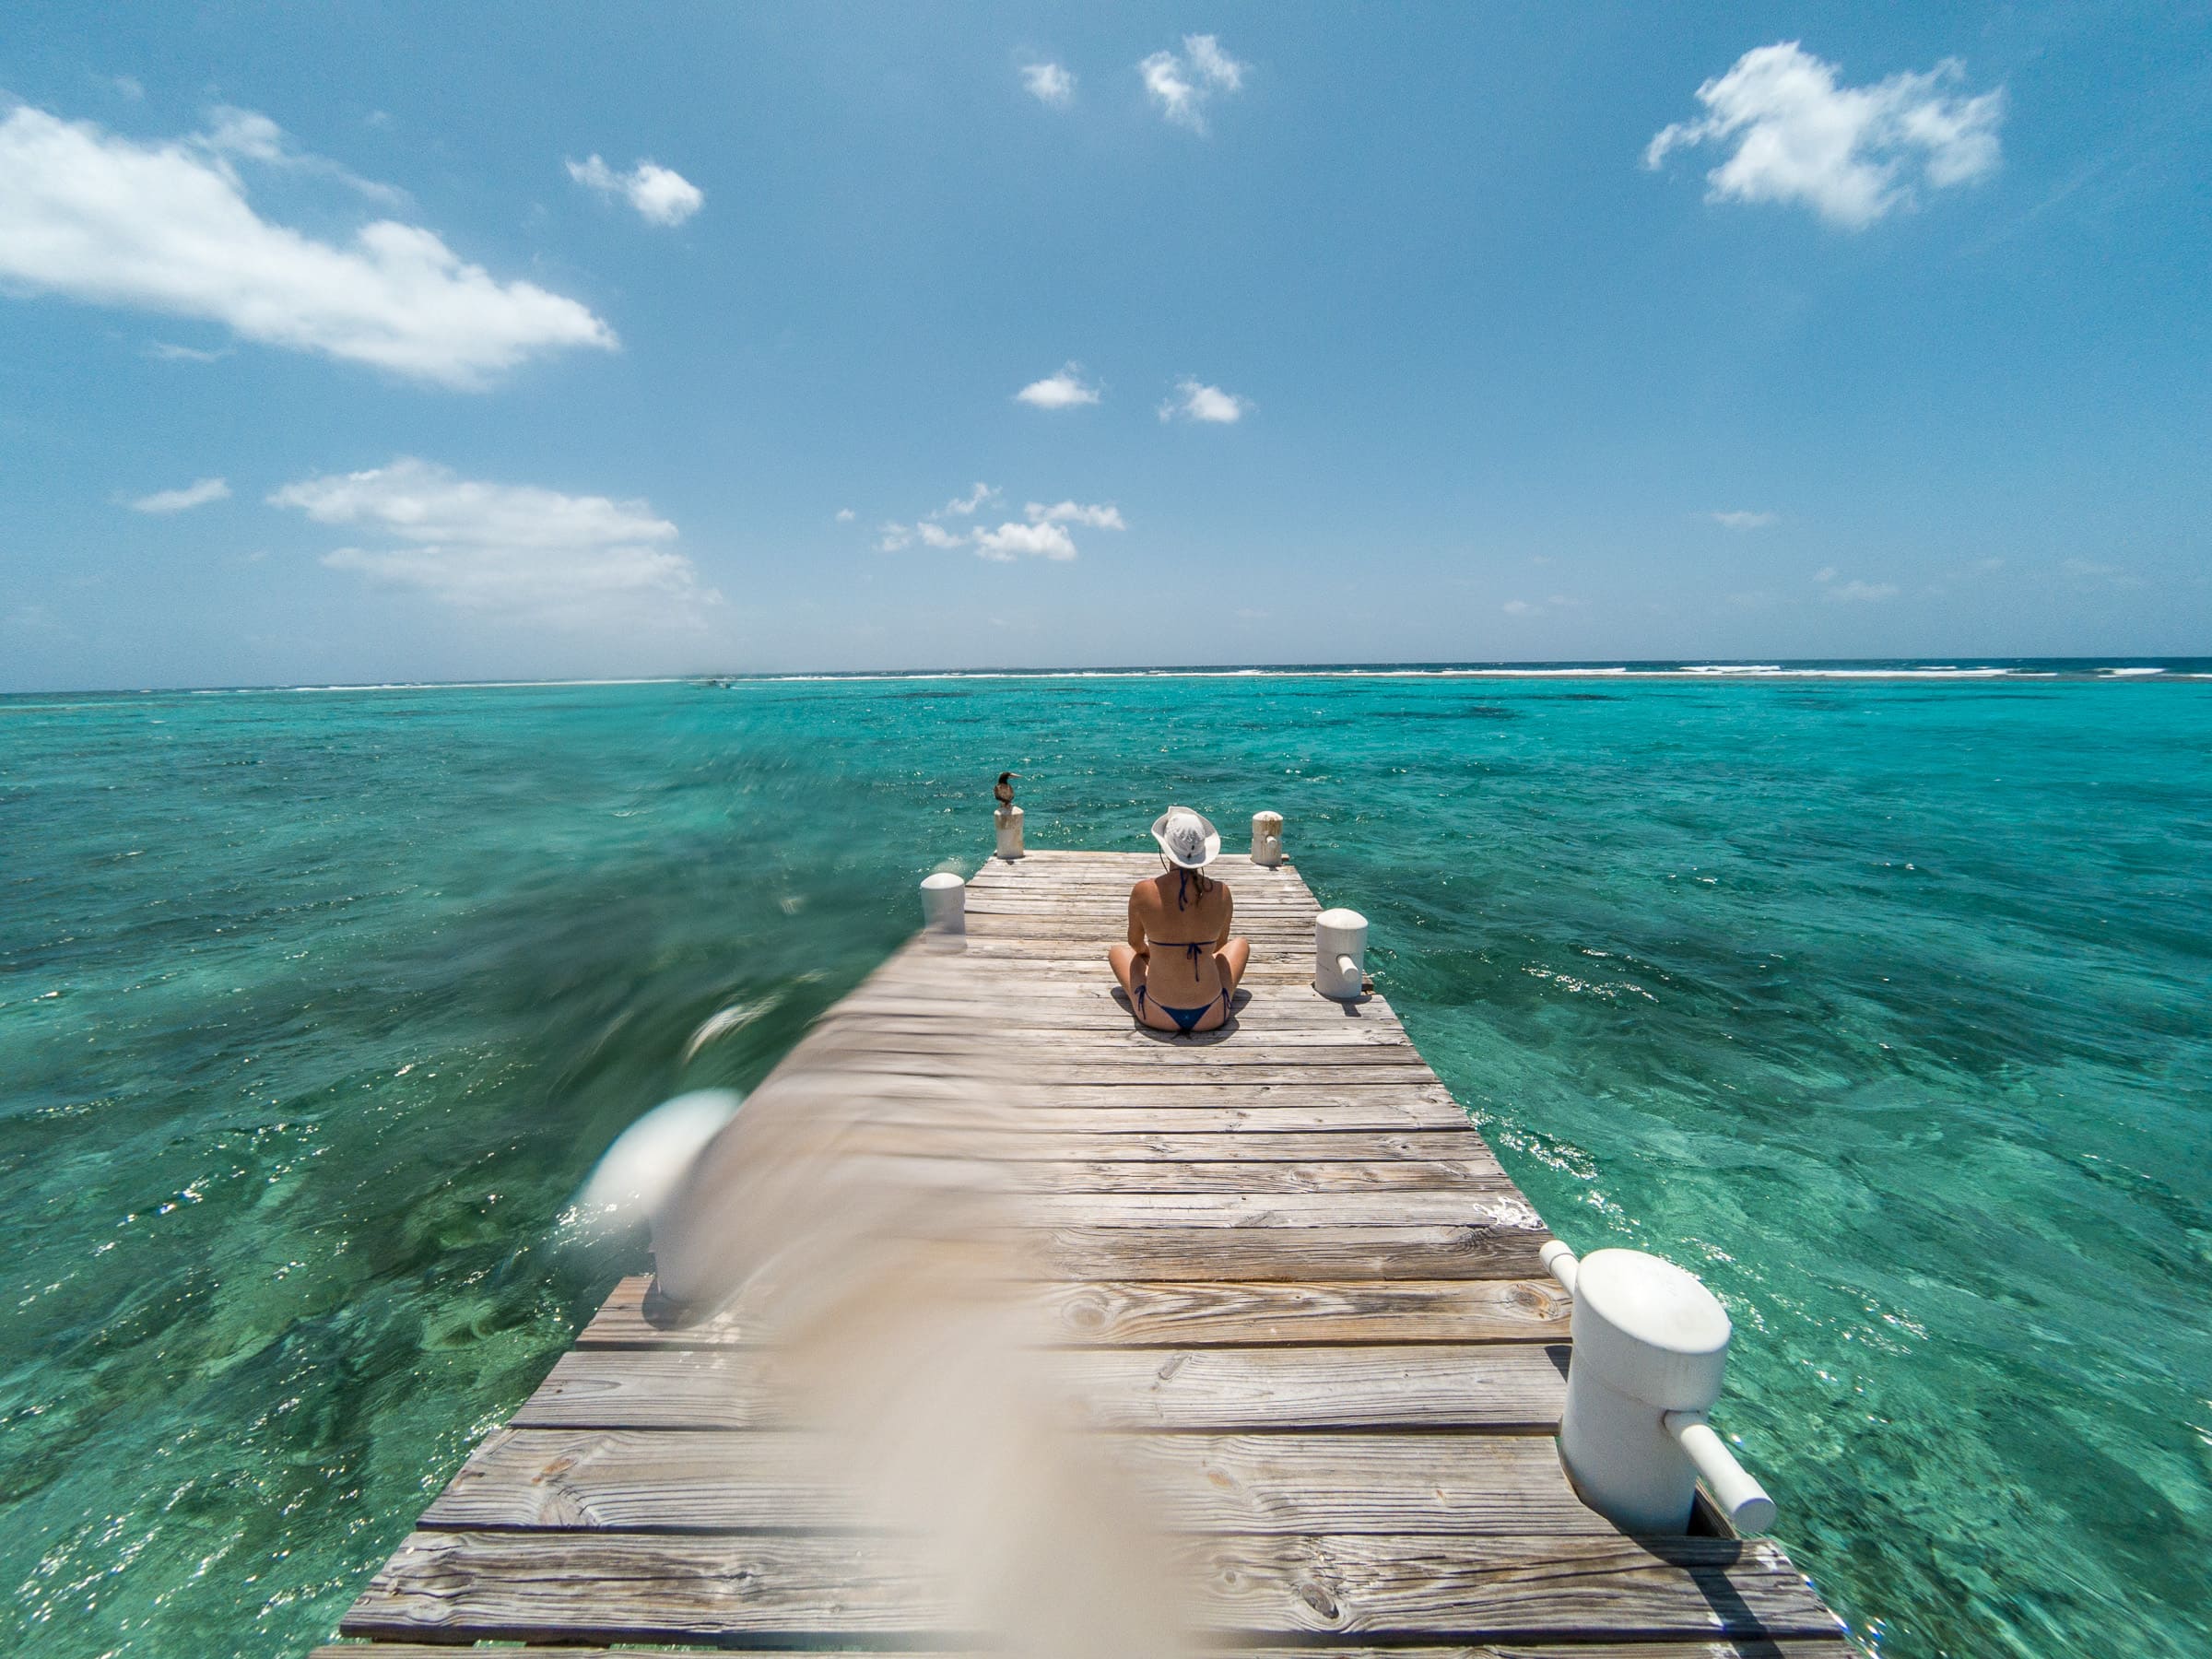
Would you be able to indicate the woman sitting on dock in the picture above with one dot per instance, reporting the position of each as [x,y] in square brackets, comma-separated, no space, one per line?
[1180,967]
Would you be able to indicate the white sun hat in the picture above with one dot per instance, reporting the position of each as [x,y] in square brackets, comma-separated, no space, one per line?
[1189,839]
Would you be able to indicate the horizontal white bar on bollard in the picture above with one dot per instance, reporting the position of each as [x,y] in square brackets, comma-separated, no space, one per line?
[1560,1262]
[1738,1495]
[1008,819]
[944,904]
[1340,954]
[1651,1347]
[1267,838]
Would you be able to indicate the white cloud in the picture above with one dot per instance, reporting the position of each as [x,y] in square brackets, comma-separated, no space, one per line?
[526,554]
[1518,607]
[1860,592]
[236,135]
[164,351]
[1745,521]
[167,227]
[1183,87]
[661,194]
[1073,513]
[1825,573]
[966,505]
[1045,536]
[1197,401]
[1065,389]
[180,500]
[127,87]
[1049,84]
[1850,153]
[1010,541]
[845,515]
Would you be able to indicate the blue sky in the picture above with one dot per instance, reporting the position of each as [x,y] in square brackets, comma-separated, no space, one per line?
[360,343]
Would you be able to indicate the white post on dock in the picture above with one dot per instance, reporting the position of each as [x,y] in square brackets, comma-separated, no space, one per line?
[1340,955]
[1008,819]
[944,904]
[1267,838]
[1650,1345]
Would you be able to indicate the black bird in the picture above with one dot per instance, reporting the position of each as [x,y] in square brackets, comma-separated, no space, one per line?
[1003,792]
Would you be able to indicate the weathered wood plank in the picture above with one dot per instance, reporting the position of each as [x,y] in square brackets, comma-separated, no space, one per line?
[1459,1149]
[1512,1388]
[785,1481]
[1215,1254]
[1137,1312]
[1492,1204]
[615,1586]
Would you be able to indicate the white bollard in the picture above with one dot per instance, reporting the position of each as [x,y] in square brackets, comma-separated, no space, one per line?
[1267,838]
[1340,954]
[944,904]
[1008,819]
[1650,1345]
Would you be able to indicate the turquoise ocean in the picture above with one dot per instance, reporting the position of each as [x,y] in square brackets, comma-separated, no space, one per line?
[1884,1003]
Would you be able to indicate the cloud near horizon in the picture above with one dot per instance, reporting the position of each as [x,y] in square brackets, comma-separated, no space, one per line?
[1745,521]
[1851,154]
[661,194]
[1183,87]
[1044,534]
[166,228]
[518,552]
[181,501]
[1065,389]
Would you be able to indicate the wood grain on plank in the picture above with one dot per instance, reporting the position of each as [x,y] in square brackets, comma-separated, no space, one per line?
[612,1587]
[785,1481]
[1512,1388]
[1140,1313]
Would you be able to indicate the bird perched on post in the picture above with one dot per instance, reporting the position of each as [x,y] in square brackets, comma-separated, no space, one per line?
[1003,791]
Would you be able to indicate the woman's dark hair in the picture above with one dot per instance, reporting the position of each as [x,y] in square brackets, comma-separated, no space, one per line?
[1185,880]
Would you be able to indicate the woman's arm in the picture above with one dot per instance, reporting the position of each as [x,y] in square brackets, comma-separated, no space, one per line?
[1228,915]
[1136,924]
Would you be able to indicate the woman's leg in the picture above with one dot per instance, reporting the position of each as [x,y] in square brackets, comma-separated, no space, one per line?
[1232,958]
[1124,961]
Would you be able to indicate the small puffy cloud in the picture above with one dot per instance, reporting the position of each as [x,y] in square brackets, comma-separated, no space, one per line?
[1825,573]
[512,551]
[845,515]
[935,535]
[965,506]
[127,87]
[1065,389]
[1194,400]
[1745,521]
[1518,607]
[167,227]
[894,537]
[1850,154]
[1011,541]
[1184,86]
[181,500]
[661,194]
[1073,513]
[1049,84]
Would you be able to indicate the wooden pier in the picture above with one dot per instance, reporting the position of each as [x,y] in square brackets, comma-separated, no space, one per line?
[1291,1285]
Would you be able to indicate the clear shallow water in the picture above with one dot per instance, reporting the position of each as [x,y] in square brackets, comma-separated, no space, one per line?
[1882,1004]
